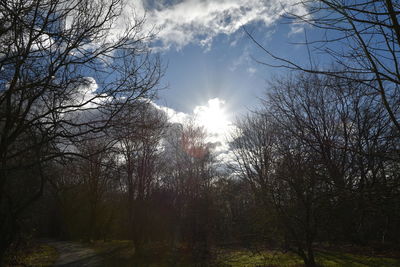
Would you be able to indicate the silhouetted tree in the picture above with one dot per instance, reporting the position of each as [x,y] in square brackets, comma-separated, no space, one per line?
[309,155]
[190,174]
[361,37]
[50,50]
[138,130]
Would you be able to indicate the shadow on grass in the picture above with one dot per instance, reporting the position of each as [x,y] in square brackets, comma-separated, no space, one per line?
[240,258]
[165,257]
[333,259]
[160,257]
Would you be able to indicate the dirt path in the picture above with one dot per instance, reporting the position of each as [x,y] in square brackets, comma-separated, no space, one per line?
[75,254]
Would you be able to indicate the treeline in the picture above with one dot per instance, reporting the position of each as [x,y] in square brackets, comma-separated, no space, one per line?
[316,166]
[86,155]
[323,159]
[142,179]
[155,183]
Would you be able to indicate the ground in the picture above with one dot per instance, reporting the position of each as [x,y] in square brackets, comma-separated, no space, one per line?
[75,254]
[36,254]
[243,258]
[121,253]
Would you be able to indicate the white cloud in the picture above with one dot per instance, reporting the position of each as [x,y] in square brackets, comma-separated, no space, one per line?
[199,21]
[213,116]
[173,115]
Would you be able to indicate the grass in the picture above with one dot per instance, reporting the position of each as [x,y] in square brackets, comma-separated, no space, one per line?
[121,253]
[36,255]
[277,259]
[333,259]
[243,258]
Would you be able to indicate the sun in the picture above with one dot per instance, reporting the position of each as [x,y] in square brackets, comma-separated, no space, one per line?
[213,117]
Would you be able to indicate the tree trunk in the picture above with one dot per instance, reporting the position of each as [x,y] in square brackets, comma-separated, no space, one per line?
[310,256]
[8,230]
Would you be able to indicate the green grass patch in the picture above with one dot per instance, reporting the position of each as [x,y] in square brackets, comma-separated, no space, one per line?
[336,259]
[245,258]
[236,258]
[37,255]
[121,253]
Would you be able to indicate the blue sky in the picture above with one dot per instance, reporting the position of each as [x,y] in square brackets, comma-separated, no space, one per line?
[211,73]
[226,71]
[220,64]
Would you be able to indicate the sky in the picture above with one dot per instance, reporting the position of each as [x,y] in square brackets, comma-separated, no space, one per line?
[212,72]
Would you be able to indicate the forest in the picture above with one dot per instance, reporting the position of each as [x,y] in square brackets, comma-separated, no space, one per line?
[87,157]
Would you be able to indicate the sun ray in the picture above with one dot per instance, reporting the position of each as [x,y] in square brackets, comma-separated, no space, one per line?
[213,117]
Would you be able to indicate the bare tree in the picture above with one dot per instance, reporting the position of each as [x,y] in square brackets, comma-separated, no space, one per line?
[349,132]
[362,38]
[190,175]
[67,68]
[96,171]
[138,130]
[310,155]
